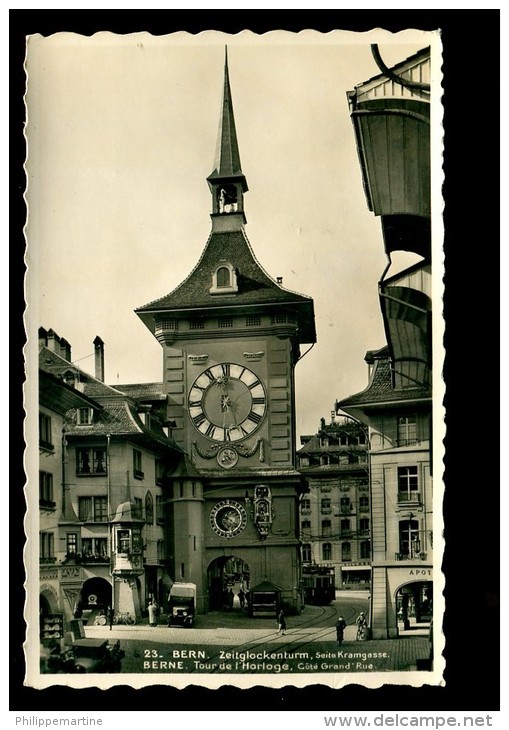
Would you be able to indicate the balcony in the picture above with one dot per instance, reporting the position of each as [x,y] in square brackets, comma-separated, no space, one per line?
[324,510]
[408,499]
[407,556]
[47,560]
[47,505]
[346,509]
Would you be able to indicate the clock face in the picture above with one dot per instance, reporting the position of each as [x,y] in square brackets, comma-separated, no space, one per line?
[228,518]
[227,402]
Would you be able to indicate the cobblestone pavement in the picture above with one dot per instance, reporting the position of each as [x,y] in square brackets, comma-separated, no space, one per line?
[309,642]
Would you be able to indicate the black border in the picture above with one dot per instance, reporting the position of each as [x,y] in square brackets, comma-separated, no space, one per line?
[471,511]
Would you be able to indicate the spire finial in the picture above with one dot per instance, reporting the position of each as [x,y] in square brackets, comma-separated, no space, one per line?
[227,181]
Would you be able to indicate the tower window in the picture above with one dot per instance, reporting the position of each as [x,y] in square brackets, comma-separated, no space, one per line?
[227,199]
[253,320]
[225,322]
[169,324]
[224,279]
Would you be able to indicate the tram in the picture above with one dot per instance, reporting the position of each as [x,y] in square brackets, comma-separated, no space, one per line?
[319,584]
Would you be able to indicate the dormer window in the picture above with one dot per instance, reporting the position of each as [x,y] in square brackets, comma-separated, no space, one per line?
[69,378]
[224,279]
[145,418]
[85,416]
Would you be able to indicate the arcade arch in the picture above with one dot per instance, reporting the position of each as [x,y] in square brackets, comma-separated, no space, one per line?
[414,606]
[226,575]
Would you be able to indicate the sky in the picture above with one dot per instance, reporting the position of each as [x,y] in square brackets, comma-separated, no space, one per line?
[121,134]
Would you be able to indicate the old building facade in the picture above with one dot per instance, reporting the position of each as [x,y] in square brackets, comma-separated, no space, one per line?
[104,460]
[335,513]
[391,118]
[230,337]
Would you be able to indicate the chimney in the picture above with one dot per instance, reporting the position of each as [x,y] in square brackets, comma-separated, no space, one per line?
[99,358]
[65,350]
[43,337]
[53,342]
[322,423]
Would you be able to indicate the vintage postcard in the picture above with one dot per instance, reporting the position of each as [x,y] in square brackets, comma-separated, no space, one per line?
[234,396]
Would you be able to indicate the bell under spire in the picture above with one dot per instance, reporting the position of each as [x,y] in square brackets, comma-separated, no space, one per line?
[227,182]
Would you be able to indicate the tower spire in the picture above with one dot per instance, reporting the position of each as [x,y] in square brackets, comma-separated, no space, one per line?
[227,181]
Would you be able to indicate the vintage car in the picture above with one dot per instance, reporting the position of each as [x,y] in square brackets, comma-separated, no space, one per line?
[182,605]
[97,656]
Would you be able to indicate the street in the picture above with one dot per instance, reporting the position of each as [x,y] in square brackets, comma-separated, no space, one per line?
[230,642]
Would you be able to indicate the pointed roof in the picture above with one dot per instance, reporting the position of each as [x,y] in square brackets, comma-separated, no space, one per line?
[227,157]
[255,286]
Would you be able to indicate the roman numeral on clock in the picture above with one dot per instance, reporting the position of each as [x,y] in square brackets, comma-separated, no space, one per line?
[259,401]
[199,419]
[210,430]
[225,367]
[254,417]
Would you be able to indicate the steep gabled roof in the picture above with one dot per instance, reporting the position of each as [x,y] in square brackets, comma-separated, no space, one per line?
[254,284]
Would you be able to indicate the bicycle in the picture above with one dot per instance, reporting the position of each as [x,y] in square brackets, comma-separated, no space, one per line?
[124,618]
[362,631]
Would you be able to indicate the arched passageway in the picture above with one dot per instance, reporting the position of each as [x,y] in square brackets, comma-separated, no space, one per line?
[414,606]
[228,583]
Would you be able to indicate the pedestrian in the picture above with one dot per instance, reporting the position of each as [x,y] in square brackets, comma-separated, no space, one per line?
[361,626]
[109,616]
[281,623]
[152,614]
[340,629]
[242,598]
[230,598]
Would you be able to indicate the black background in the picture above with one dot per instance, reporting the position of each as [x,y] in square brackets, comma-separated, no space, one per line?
[471,47]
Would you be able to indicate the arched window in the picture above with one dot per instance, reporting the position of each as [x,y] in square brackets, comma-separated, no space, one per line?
[223,276]
[149,509]
[224,279]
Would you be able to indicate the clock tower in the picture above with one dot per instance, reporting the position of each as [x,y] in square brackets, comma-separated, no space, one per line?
[231,338]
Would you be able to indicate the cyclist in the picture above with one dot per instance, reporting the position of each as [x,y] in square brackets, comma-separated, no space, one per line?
[362,625]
